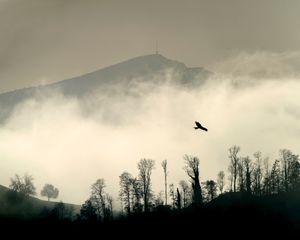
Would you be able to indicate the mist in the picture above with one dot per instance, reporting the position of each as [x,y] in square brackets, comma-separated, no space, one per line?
[56,141]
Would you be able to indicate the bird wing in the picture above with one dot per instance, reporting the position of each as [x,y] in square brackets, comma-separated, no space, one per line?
[203,128]
[198,124]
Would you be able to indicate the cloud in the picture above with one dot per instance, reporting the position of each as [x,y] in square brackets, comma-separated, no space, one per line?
[260,65]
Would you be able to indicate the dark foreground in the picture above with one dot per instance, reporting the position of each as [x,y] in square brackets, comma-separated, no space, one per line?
[235,216]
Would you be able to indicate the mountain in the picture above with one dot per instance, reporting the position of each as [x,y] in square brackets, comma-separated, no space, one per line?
[125,78]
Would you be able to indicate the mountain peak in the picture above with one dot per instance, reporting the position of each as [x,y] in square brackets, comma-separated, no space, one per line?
[122,77]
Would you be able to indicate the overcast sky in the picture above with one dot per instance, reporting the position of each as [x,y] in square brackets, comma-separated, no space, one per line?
[42,41]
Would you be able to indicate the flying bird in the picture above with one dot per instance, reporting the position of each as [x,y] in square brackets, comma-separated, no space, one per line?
[199,126]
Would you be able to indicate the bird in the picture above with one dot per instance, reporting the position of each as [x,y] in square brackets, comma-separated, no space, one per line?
[199,126]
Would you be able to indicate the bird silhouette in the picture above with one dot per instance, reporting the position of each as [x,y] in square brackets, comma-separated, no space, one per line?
[199,126]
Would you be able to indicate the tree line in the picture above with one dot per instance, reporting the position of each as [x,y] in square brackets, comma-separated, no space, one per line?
[251,175]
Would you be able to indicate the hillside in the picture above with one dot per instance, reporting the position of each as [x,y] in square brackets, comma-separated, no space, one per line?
[124,78]
[13,205]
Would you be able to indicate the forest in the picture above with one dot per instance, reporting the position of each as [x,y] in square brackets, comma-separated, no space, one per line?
[254,193]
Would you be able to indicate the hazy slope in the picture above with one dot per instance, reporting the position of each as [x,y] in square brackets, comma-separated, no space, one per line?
[14,205]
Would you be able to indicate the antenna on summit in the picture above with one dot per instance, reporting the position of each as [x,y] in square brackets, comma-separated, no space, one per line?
[156,48]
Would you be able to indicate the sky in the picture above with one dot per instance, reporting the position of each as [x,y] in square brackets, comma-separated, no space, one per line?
[252,42]
[45,41]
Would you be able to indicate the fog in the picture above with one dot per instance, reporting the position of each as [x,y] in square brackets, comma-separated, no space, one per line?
[58,143]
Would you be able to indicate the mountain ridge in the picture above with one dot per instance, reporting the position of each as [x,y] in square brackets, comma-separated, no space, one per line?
[121,79]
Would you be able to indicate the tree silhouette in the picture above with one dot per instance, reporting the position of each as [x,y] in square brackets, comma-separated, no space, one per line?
[192,170]
[23,185]
[211,189]
[145,167]
[241,175]
[137,194]
[109,209]
[88,212]
[60,211]
[221,181]
[126,192]
[159,199]
[233,168]
[100,200]
[178,199]
[172,194]
[290,169]
[275,177]
[257,174]
[248,170]
[185,192]
[49,191]
[164,166]
[266,180]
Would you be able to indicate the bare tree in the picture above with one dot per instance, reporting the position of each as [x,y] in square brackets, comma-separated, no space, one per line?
[145,167]
[164,166]
[178,199]
[257,173]
[23,185]
[241,175]
[172,194]
[88,212]
[159,199]
[211,189]
[290,169]
[185,192]
[248,170]
[137,194]
[234,160]
[266,181]
[126,191]
[192,170]
[98,197]
[49,191]
[109,208]
[221,181]
[275,177]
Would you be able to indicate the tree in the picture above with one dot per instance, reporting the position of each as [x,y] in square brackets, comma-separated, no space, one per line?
[178,199]
[164,166]
[248,169]
[294,177]
[211,189]
[137,194]
[192,170]
[290,169]
[241,175]
[88,212]
[172,194]
[234,161]
[145,167]
[109,209]
[221,181]
[257,174]
[159,199]
[49,191]
[23,185]
[100,200]
[185,192]
[266,181]
[126,191]
[275,177]
[60,211]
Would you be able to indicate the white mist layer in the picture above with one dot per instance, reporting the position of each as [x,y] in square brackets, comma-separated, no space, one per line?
[55,142]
